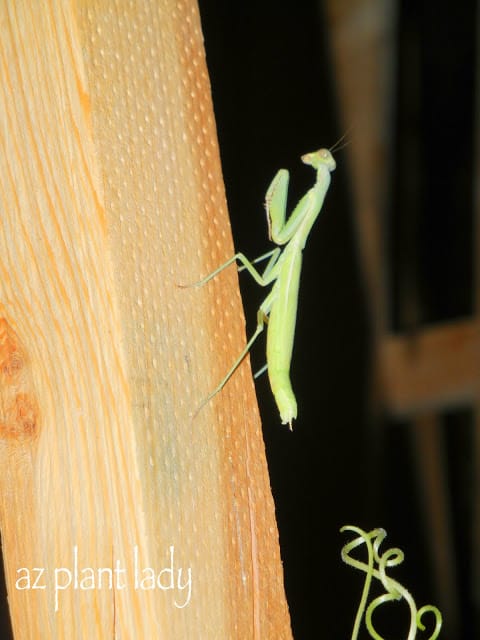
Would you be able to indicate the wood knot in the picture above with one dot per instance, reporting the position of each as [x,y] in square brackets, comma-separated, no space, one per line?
[18,404]
[11,357]
[20,419]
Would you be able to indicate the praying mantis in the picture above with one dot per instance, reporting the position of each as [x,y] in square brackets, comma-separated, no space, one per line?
[279,309]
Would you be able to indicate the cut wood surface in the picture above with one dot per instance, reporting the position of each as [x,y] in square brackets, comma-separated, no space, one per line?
[111,196]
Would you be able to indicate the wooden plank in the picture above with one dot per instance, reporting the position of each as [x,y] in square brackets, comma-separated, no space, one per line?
[429,448]
[435,368]
[361,35]
[111,195]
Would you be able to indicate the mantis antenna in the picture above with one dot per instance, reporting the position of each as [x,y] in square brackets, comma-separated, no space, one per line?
[279,309]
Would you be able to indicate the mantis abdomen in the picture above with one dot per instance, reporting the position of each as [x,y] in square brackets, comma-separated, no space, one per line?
[279,309]
[280,335]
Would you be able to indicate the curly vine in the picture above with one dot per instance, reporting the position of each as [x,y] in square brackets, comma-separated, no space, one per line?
[376,567]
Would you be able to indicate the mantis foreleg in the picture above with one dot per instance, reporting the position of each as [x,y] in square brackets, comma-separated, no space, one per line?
[283,271]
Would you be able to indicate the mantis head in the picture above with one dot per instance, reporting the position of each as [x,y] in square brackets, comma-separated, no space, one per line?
[318,158]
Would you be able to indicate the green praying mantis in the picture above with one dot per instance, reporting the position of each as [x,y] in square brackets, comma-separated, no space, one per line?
[279,309]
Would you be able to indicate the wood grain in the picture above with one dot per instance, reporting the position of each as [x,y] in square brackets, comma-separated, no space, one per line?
[112,195]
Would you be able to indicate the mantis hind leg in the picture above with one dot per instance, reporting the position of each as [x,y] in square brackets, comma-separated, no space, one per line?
[260,371]
[262,319]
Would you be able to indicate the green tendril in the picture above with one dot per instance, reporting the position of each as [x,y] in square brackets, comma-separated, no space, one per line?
[394,590]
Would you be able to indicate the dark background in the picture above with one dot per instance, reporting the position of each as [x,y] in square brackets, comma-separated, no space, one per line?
[275,98]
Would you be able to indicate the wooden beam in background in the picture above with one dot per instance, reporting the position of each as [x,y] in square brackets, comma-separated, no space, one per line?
[435,368]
